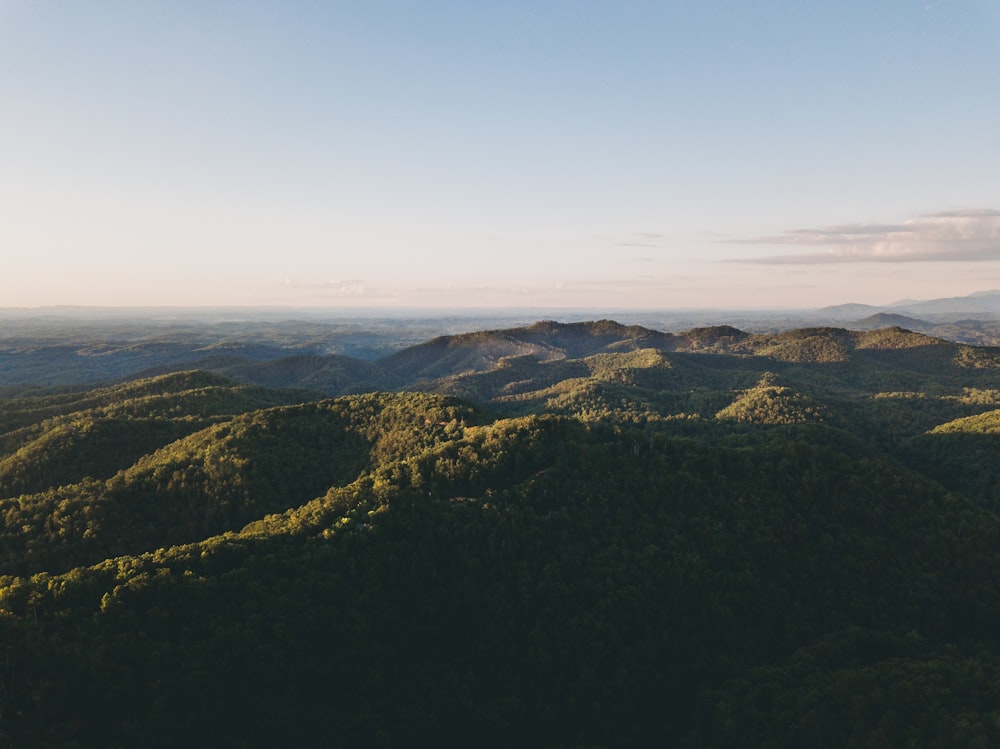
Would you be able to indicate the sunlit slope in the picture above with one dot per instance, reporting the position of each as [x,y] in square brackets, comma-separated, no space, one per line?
[65,438]
[596,384]
[963,454]
[618,539]
[607,369]
[189,393]
[216,479]
[506,573]
[984,423]
[770,403]
[483,351]
[696,373]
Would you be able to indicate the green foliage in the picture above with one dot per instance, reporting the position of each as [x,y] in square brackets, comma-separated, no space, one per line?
[69,449]
[862,688]
[962,455]
[809,345]
[93,435]
[768,403]
[984,423]
[173,395]
[713,539]
[561,583]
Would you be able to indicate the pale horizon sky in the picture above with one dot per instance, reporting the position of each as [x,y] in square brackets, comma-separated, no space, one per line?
[570,153]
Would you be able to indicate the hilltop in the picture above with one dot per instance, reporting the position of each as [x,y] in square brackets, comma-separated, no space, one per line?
[558,534]
[64,347]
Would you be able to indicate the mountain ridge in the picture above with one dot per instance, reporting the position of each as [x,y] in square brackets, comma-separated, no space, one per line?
[592,535]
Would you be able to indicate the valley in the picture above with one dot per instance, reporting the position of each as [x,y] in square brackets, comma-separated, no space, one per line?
[557,534]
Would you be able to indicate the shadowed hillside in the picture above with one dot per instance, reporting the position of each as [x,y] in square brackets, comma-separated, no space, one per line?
[476,352]
[584,535]
[892,320]
[329,375]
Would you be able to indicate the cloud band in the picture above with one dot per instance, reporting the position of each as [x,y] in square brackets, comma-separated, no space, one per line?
[971,235]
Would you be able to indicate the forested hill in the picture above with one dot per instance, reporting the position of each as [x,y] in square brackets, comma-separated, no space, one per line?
[299,355]
[487,352]
[585,535]
[543,340]
[546,341]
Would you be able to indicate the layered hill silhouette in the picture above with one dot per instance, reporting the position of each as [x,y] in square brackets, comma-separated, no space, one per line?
[893,320]
[474,352]
[560,535]
[296,354]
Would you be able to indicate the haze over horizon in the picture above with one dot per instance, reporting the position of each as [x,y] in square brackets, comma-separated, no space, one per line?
[548,154]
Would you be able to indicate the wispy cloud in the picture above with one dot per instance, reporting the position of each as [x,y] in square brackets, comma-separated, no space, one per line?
[641,239]
[961,236]
[335,288]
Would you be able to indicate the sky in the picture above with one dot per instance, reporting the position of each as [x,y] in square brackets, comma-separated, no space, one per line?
[520,153]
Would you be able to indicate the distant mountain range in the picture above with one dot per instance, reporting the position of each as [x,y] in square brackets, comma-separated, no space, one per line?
[982,305]
[60,347]
[486,365]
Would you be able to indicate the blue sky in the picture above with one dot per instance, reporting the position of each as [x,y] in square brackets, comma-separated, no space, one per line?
[473,154]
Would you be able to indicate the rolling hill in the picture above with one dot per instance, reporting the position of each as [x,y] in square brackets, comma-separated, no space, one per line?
[562,535]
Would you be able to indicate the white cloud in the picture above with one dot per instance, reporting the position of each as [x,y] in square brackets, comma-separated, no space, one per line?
[971,235]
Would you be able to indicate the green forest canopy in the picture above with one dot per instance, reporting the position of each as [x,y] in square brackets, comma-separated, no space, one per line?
[784,542]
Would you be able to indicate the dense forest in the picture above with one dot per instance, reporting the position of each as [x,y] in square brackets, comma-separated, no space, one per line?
[559,535]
